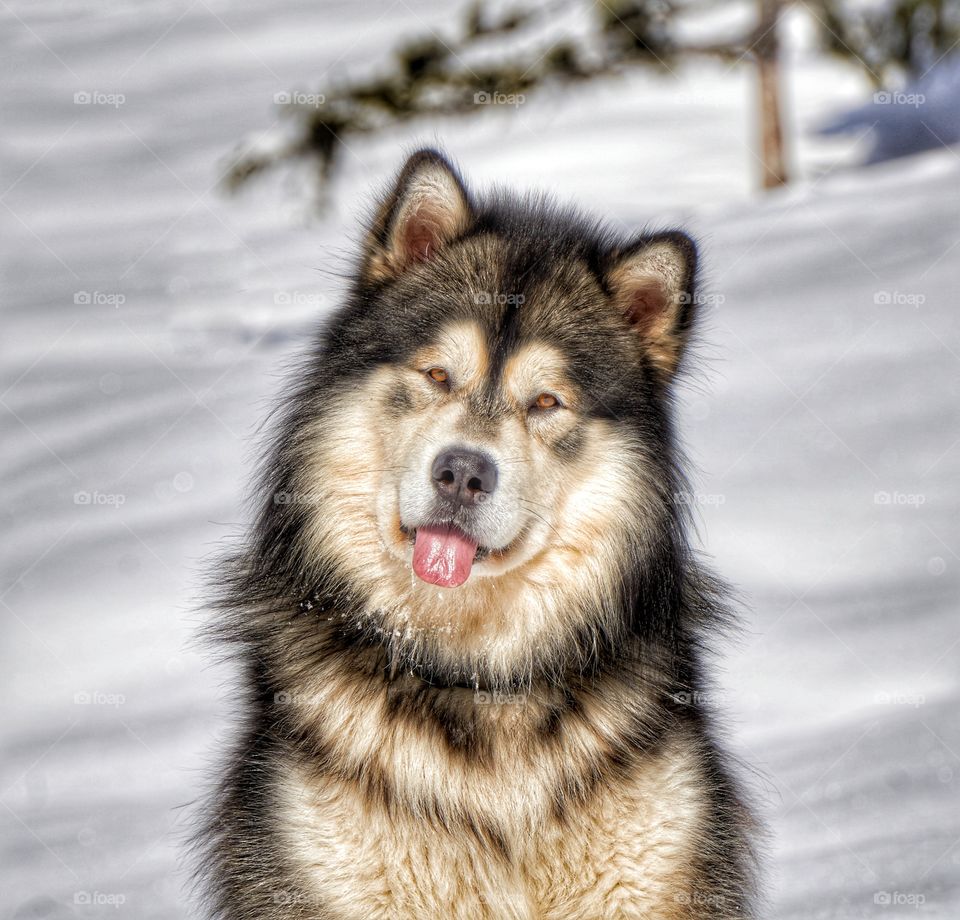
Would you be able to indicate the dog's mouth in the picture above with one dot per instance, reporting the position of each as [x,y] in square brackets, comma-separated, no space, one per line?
[443,554]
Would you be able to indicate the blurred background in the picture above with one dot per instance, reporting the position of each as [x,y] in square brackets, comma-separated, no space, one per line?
[181,189]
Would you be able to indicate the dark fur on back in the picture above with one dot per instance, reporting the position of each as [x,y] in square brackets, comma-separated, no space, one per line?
[287,611]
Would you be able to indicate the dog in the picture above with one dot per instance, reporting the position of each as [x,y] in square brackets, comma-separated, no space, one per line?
[469,618]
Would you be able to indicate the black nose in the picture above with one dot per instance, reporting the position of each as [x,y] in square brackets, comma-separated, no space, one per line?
[465,477]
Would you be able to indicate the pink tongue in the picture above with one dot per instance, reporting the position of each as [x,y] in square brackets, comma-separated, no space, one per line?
[443,556]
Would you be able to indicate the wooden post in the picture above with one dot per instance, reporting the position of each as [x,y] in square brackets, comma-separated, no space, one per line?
[766,50]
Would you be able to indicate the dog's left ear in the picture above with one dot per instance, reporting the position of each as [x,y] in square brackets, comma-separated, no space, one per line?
[428,208]
[652,283]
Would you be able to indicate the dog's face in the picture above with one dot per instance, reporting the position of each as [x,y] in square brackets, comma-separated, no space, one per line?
[494,431]
[484,457]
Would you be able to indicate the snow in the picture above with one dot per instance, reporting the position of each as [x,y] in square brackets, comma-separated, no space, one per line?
[823,422]
[923,115]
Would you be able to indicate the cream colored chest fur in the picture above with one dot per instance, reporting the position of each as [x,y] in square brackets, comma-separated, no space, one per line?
[626,853]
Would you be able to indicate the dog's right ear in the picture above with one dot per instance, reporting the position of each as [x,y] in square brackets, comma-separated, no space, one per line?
[427,209]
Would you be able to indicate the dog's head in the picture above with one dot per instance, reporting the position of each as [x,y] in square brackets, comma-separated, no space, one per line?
[488,444]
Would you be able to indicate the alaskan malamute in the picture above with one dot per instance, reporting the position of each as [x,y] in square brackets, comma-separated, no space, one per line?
[469,615]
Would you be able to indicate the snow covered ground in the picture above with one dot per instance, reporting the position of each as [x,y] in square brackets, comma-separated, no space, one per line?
[147,321]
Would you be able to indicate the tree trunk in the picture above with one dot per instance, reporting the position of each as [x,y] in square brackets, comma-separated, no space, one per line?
[767,48]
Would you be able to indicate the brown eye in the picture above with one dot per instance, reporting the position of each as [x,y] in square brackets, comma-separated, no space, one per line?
[437,374]
[546,401]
